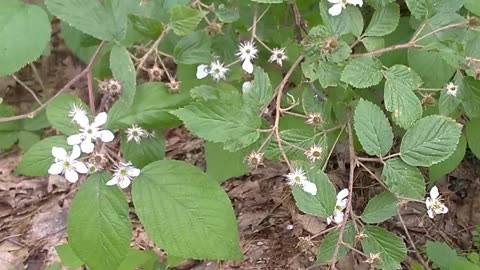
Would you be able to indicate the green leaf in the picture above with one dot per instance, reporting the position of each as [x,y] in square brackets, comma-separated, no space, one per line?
[403,180]
[185,212]
[99,228]
[25,33]
[37,160]
[447,104]
[399,96]
[7,111]
[261,91]
[389,246]
[470,95]
[472,129]
[349,21]
[228,122]
[431,140]
[363,72]
[220,91]
[431,67]
[451,163]
[147,151]
[124,72]
[105,22]
[323,203]
[473,6]
[68,256]
[193,48]
[373,129]
[384,21]
[269,1]
[222,164]
[373,43]
[184,20]
[329,243]
[228,14]
[8,139]
[144,259]
[58,113]
[422,9]
[39,122]
[441,254]
[55,266]
[27,139]
[380,208]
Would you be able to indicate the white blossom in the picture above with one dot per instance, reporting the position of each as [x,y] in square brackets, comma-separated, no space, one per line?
[298,178]
[247,53]
[217,71]
[452,89]
[434,203]
[278,55]
[246,87]
[340,205]
[339,5]
[89,133]
[314,153]
[123,175]
[255,159]
[202,71]
[77,113]
[135,133]
[67,165]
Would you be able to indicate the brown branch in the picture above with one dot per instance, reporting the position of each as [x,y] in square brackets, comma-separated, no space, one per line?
[30,90]
[66,87]
[404,46]
[152,48]
[419,257]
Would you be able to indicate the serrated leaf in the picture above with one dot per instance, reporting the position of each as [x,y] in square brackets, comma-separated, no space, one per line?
[399,97]
[226,122]
[58,113]
[184,20]
[8,139]
[373,129]
[124,72]
[269,1]
[472,129]
[8,111]
[389,246]
[373,43]
[228,14]
[470,95]
[68,256]
[193,49]
[363,72]
[451,163]
[473,6]
[39,122]
[422,9]
[349,21]
[261,91]
[99,228]
[220,91]
[27,139]
[37,160]
[434,70]
[222,164]
[403,180]
[431,140]
[323,203]
[25,33]
[384,21]
[105,22]
[380,208]
[441,254]
[185,212]
[329,243]
[447,104]
[144,259]
[147,151]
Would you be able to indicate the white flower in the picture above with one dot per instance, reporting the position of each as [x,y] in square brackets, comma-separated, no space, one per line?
[434,203]
[123,175]
[91,167]
[217,71]
[77,113]
[135,133]
[246,87]
[339,5]
[89,133]
[278,55]
[314,153]
[341,204]
[202,71]
[452,89]
[247,53]
[255,159]
[67,164]
[298,178]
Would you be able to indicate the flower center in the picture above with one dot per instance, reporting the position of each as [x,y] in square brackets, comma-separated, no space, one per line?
[247,51]
[316,154]
[66,164]
[216,71]
[123,172]
[135,134]
[279,55]
[90,131]
[298,179]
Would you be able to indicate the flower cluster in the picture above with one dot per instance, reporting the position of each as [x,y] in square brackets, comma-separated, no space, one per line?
[341,204]
[298,178]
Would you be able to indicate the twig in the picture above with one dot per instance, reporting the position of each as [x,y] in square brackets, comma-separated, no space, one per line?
[152,48]
[440,30]
[418,32]
[370,159]
[404,46]
[391,156]
[332,148]
[37,76]
[28,89]
[66,87]
[419,257]
[254,24]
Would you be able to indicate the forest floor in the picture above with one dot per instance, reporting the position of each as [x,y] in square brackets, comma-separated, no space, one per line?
[274,234]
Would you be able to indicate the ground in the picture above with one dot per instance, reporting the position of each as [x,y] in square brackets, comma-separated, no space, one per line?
[274,234]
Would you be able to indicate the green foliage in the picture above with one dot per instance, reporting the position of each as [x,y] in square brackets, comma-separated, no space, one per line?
[387,245]
[200,222]
[363,72]
[472,130]
[141,154]
[184,20]
[124,72]
[451,163]
[261,92]
[384,21]
[193,49]
[68,256]
[58,111]
[222,164]
[25,33]
[403,180]
[327,248]
[380,208]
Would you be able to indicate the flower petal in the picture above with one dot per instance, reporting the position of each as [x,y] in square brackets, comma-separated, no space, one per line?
[309,187]
[75,152]
[428,203]
[106,136]
[87,146]
[334,1]
[202,71]
[100,119]
[124,182]
[342,203]
[247,66]
[336,9]
[81,119]
[430,213]
[112,181]
[443,210]
[246,86]
[133,172]
[55,168]
[75,139]
[71,175]
[434,192]
[342,194]
[59,153]
[80,167]
[338,217]
[355,2]
[329,220]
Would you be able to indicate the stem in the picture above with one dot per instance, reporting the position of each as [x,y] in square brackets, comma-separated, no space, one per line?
[37,76]
[391,156]
[404,46]
[254,24]
[152,48]
[440,30]
[333,148]
[284,111]
[66,87]
[263,44]
[419,257]
[28,89]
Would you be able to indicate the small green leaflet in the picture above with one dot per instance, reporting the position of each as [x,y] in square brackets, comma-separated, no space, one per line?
[472,129]
[141,154]
[373,43]
[144,259]
[349,21]
[473,6]
[124,72]
[372,128]
[363,72]
[269,1]
[27,139]
[380,208]
[470,95]
[185,212]
[222,164]
[261,91]
[403,180]
[193,49]
[25,33]
[68,256]
[431,140]
[389,246]
[58,113]
[384,21]
[99,228]
[184,20]
[451,163]
[431,67]
[329,243]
